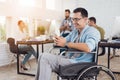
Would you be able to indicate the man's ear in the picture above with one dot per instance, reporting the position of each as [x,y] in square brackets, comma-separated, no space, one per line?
[86,18]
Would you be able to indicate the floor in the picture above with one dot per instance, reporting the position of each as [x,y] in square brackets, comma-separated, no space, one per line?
[9,72]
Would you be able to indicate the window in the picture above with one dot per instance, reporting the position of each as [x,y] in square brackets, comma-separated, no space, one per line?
[38,3]
[2,0]
[27,2]
[2,29]
[50,4]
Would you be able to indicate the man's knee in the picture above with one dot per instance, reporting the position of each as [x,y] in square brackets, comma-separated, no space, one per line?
[44,56]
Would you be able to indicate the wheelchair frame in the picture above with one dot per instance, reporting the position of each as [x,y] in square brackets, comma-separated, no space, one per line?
[81,74]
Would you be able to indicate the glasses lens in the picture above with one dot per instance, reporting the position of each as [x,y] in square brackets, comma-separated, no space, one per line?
[76,19]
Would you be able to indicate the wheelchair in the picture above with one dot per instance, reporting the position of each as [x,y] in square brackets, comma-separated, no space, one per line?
[83,70]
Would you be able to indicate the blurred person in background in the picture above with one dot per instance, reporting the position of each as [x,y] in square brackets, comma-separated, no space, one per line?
[92,23]
[66,25]
[23,34]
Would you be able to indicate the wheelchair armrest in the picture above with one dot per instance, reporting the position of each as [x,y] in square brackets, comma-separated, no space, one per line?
[69,49]
[59,47]
[73,50]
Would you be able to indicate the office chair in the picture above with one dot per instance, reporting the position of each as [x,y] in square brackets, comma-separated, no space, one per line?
[14,48]
[83,70]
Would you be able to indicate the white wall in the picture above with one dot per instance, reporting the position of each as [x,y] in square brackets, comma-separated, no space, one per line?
[14,9]
[105,11]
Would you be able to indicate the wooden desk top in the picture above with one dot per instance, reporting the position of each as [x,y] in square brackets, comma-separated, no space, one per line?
[35,42]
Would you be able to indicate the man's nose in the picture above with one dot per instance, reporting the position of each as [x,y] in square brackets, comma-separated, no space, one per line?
[74,22]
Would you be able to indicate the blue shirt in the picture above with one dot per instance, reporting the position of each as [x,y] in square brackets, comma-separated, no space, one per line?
[90,36]
[69,21]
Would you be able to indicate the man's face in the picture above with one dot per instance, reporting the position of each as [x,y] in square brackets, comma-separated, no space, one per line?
[67,14]
[90,23]
[78,21]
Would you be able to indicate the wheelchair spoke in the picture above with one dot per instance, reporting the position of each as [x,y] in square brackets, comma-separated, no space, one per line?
[96,73]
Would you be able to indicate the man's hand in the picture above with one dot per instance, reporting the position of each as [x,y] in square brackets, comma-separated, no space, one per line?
[66,25]
[68,28]
[60,41]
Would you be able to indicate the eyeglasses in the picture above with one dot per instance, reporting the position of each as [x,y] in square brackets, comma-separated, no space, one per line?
[76,19]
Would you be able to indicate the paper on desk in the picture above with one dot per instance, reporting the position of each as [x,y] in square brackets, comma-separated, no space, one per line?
[39,38]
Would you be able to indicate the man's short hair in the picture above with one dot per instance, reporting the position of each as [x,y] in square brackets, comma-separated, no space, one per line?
[92,19]
[67,10]
[83,11]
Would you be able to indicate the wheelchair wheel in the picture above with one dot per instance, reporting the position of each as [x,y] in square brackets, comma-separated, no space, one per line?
[96,72]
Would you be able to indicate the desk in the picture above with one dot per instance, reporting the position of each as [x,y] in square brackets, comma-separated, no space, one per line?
[109,45]
[37,43]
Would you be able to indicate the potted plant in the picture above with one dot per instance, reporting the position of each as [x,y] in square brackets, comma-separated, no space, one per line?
[40,30]
[2,34]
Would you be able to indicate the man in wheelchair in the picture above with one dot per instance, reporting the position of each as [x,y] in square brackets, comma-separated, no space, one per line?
[83,38]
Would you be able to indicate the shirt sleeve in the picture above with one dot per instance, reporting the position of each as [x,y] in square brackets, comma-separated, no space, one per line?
[92,39]
[68,37]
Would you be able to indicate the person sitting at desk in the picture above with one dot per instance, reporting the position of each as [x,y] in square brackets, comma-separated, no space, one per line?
[83,38]
[22,33]
[92,23]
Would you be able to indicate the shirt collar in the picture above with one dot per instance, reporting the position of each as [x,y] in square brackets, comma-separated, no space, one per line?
[84,29]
